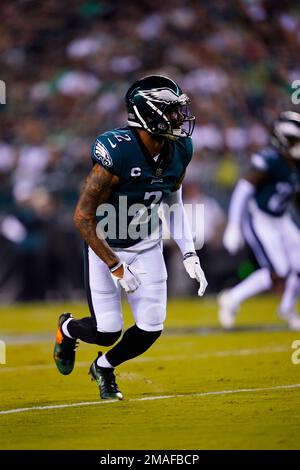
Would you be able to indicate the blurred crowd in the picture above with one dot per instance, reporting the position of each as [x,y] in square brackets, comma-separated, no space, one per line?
[67,66]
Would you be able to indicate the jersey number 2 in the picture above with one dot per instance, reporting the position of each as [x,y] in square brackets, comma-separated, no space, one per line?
[143,215]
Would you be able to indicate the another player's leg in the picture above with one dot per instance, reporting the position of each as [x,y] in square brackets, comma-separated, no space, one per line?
[287,308]
[229,301]
[264,238]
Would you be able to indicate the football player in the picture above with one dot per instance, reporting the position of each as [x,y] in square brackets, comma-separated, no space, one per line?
[135,168]
[258,213]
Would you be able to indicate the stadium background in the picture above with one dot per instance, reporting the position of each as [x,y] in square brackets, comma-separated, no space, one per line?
[67,65]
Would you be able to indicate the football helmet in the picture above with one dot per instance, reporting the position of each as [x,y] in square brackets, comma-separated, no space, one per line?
[158,105]
[286,133]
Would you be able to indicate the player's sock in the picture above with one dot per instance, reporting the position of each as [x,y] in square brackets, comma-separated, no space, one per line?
[64,328]
[133,343]
[290,295]
[257,282]
[103,362]
[83,329]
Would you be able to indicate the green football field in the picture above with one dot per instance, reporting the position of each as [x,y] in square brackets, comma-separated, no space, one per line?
[196,388]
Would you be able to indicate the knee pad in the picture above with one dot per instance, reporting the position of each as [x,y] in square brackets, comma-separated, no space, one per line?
[152,318]
[110,321]
[107,339]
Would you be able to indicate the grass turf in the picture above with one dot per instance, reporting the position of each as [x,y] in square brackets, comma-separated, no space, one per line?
[192,358]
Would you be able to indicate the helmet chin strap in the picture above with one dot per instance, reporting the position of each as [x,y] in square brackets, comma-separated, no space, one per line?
[170,136]
[174,134]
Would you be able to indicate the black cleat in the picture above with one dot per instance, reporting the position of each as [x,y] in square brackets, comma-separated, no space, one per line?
[105,378]
[64,349]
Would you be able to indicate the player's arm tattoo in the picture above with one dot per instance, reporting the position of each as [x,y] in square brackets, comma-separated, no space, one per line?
[96,190]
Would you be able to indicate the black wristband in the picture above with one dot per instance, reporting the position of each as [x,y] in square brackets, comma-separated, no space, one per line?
[116,266]
[189,254]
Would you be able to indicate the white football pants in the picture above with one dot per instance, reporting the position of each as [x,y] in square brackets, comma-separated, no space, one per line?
[148,302]
[275,241]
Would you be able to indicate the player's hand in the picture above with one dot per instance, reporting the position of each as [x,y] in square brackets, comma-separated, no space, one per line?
[233,239]
[194,270]
[128,277]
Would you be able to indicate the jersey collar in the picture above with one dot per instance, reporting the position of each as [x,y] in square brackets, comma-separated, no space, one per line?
[164,158]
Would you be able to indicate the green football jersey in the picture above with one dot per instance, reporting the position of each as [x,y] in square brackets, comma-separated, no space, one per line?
[282,181]
[131,213]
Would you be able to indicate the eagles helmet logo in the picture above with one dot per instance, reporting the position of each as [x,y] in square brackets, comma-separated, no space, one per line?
[102,154]
[164,95]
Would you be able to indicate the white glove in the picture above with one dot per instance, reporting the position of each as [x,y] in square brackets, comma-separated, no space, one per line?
[233,239]
[130,280]
[193,268]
